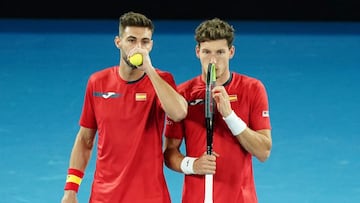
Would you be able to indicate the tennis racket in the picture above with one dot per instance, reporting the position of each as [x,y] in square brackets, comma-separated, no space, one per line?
[209,118]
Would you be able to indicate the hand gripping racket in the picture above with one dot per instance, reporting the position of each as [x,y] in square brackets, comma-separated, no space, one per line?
[209,118]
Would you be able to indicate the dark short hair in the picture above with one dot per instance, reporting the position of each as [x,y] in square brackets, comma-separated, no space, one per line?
[214,29]
[134,19]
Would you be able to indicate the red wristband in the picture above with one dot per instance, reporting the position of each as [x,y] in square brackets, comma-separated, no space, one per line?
[73,179]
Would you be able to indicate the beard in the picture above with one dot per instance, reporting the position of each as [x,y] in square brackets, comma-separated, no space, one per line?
[128,63]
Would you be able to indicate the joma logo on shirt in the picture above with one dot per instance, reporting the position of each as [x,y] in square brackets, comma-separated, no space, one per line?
[106,95]
[196,101]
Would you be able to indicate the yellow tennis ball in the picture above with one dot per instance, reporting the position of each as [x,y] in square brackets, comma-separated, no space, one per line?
[136,59]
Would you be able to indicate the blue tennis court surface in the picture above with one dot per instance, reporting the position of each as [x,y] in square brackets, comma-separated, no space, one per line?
[311,71]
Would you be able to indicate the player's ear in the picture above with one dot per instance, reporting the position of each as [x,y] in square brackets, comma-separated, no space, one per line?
[197,51]
[117,41]
[232,51]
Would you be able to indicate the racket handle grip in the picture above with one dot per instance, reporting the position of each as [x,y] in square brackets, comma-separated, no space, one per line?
[208,188]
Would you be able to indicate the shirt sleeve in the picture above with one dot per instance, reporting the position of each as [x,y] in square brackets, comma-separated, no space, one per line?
[174,129]
[87,118]
[259,115]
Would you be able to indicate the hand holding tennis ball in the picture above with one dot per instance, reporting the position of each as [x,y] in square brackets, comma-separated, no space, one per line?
[136,59]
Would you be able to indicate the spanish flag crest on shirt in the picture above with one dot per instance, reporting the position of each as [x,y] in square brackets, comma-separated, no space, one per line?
[140,96]
[232,97]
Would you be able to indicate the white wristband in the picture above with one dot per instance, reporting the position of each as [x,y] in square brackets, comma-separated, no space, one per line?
[235,124]
[187,165]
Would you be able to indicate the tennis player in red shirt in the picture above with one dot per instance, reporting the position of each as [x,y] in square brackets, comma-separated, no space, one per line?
[241,126]
[126,107]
